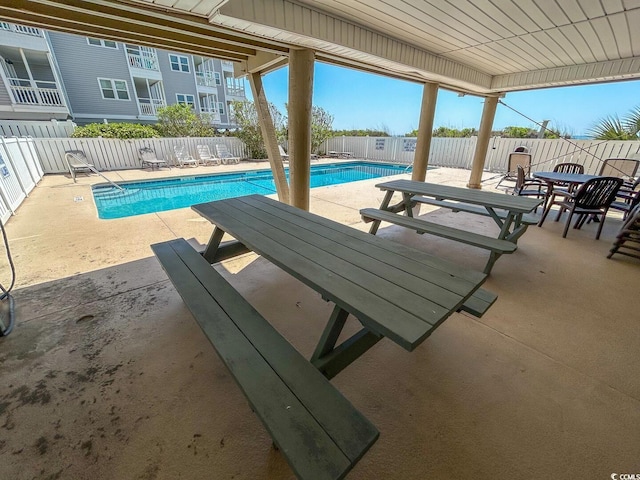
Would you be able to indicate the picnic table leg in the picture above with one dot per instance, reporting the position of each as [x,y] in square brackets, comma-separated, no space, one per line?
[493,257]
[383,206]
[331,360]
[212,247]
[216,252]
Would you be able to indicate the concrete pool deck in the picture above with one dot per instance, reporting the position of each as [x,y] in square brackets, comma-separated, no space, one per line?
[107,376]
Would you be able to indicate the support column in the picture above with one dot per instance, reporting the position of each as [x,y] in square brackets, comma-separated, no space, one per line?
[482,145]
[269,136]
[300,93]
[425,131]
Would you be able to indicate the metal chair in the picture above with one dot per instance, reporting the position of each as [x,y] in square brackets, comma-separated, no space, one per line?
[519,158]
[528,188]
[148,157]
[591,200]
[619,167]
[77,162]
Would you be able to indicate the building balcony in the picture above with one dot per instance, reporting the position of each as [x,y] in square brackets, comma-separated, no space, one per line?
[26,92]
[143,62]
[149,106]
[234,91]
[22,29]
[22,37]
[207,79]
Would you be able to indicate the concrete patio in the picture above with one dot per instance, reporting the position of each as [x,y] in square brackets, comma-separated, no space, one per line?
[107,376]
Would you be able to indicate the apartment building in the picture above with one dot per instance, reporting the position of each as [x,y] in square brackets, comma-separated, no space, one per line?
[60,75]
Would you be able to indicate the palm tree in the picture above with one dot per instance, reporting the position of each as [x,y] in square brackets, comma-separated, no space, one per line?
[616,128]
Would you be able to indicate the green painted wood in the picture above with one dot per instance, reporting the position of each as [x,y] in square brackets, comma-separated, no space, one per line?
[322,272]
[340,235]
[423,226]
[317,429]
[477,210]
[392,255]
[386,282]
[378,247]
[479,302]
[466,195]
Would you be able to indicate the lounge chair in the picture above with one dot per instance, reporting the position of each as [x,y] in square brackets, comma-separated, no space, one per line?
[205,155]
[522,157]
[183,157]
[283,154]
[225,155]
[148,158]
[77,162]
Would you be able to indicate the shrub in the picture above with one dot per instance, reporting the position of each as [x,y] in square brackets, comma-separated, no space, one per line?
[115,130]
[179,120]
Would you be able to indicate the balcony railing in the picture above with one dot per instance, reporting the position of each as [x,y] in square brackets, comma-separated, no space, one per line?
[37,93]
[12,27]
[206,79]
[234,91]
[145,61]
[149,106]
[212,113]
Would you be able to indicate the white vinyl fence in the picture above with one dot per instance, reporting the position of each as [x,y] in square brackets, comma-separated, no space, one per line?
[20,171]
[458,152]
[50,129]
[115,154]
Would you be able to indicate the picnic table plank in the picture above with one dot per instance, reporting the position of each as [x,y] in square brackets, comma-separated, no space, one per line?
[467,195]
[359,259]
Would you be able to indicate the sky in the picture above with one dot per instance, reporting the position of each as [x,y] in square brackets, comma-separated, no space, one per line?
[359,100]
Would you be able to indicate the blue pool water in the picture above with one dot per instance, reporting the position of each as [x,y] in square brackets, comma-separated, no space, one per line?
[179,192]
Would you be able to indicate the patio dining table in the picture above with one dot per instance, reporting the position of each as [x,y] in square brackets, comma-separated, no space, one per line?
[552,179]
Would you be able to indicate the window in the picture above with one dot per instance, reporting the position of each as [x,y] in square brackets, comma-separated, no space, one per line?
[113,89]
[221,108]
[179,63]
[101,43]
[216,75]
[186,99]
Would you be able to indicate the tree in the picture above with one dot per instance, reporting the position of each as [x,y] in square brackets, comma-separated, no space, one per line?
[179,120]
[321,127]
[616,128]
[115,130]
[249,127]
[362,133]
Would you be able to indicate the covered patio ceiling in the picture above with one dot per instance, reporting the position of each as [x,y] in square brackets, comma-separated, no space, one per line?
[473,46]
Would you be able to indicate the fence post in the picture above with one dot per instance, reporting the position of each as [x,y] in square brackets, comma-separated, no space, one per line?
[25,161]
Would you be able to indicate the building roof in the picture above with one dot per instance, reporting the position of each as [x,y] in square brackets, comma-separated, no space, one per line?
[474,46]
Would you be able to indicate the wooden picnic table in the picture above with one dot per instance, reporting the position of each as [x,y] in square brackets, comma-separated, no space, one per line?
[509,212]
[394,292]
[398,293]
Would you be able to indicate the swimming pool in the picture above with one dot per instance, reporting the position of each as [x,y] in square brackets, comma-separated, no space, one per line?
[152,196]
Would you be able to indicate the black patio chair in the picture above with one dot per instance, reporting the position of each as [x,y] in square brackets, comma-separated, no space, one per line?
[627,198]
[528,187]
[628,237]
[591,200]
[563,188]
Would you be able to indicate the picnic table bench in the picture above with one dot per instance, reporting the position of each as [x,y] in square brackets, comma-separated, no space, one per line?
[509,212]
[318,430]
[393,291]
